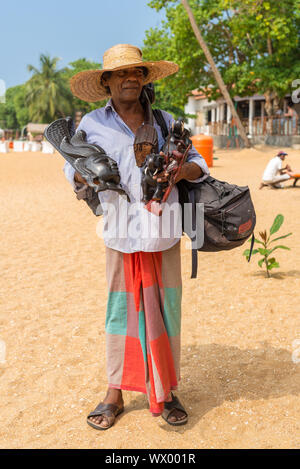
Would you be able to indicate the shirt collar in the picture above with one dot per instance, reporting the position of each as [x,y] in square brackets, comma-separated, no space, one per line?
[109,105]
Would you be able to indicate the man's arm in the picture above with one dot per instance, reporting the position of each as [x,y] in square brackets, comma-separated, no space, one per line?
[190,171]
[197,160]
[285,170]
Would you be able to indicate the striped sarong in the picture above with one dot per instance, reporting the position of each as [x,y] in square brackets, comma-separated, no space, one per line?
[143,320]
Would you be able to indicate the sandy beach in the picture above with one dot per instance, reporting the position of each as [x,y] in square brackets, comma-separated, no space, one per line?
[240,376]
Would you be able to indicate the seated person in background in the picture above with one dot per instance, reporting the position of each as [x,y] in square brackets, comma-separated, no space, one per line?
[274,174]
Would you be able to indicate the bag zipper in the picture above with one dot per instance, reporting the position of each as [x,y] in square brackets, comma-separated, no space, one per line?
[236,198]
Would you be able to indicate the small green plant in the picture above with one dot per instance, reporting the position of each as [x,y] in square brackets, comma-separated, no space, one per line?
[267,249]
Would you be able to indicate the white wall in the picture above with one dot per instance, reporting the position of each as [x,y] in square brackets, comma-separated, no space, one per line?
[194,106]
[190,108]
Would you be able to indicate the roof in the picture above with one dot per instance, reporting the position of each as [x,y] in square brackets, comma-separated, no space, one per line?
[198,95]
[36,128]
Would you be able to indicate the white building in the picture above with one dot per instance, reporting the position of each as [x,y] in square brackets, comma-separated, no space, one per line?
[214,117]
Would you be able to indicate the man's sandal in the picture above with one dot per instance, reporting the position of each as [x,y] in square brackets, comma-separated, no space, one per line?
[110,411]
[174,404]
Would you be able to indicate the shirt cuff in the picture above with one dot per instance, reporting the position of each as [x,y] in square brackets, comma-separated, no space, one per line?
[200,161]
[78,187]
[70,173]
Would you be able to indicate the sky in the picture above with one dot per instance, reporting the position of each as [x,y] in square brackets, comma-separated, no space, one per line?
[69,29]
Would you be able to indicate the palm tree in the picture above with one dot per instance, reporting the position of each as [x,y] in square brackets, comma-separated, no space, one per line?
[47,94]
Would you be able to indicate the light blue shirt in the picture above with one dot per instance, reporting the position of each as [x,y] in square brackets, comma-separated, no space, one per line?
[129,227]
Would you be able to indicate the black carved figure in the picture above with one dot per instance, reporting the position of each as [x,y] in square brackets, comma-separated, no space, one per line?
[92,163]
[178,139]
[98,169]
[153,190]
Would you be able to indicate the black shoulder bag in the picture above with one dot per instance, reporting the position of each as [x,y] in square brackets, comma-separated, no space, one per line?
[229,214]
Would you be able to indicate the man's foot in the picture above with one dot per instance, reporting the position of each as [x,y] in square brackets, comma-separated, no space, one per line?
[113,396]
[262,185]
[174,414]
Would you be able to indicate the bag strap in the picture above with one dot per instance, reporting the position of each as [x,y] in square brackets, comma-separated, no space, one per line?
[251,247]
[194,251]
[158,115]
[194,263]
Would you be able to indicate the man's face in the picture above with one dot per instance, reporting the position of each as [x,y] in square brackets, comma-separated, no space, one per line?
[126,85]
[282,157]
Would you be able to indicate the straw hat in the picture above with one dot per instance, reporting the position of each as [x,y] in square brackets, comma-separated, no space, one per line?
[88,87]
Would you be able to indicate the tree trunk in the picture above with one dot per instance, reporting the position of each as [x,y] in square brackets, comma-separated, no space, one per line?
[216,72]
[270,48]
[269,96]
[268,106]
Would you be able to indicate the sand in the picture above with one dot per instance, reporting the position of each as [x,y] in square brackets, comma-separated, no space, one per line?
[240,376]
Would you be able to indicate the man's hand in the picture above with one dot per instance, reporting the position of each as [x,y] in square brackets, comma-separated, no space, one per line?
[78,178]
[286,169]
[189,171]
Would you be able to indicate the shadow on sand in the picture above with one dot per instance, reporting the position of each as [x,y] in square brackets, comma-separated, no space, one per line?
[278,275]
[216,373]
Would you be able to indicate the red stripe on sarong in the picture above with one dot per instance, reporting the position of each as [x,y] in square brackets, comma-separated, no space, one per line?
[142,267]
[134,366]
[163,358]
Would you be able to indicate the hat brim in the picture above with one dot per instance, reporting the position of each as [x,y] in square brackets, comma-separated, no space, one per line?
[87,85]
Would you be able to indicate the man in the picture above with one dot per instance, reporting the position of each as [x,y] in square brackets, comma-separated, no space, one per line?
[143,270]
[274,174]
[293,119]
